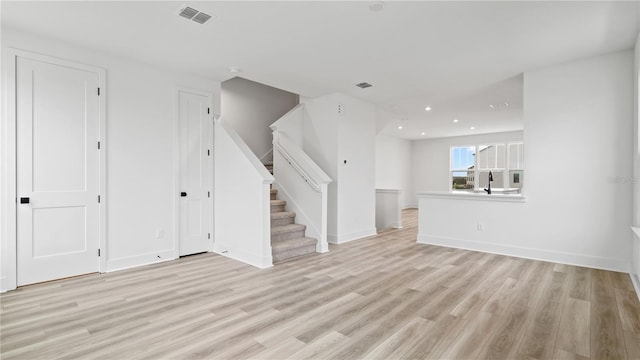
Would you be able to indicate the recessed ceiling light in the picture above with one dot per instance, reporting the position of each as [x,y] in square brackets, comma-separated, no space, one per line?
[422,133]
[472,128]
[400,127]
[499,106]
[455,120]
[428,108]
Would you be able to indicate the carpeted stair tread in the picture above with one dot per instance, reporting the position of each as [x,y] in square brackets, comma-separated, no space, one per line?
[269,167]
[285,245]
[288,240]
[282,215]
[283,229]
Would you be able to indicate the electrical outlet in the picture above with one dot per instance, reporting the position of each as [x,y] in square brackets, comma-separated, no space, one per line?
[480,226]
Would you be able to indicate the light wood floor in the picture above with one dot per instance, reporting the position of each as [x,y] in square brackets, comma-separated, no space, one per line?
[384,297]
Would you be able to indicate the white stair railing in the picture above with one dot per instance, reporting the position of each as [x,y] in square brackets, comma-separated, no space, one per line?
[298,179]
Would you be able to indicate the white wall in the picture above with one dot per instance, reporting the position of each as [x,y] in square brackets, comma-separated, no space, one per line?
[579,116]
[636,132]
[578,139]
[635,270]
[250,107]
[140,146]
[242,205]
[394,167]
[339,128]
[356,170]
[320,142]
[430,158]
[388,209]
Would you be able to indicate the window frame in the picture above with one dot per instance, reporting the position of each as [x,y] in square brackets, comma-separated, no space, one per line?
[505,171]
[452,170]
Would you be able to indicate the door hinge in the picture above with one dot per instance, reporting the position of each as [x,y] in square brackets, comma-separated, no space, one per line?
[98,91]
[98,145]
[209,236]
[208,110]
[98,198]
[98,252]
[208,152]
[208,193]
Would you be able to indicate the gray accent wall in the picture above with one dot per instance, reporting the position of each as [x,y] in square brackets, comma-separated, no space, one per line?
[250,107]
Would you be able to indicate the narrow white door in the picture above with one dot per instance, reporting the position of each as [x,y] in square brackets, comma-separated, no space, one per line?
[195,172]
[57,122]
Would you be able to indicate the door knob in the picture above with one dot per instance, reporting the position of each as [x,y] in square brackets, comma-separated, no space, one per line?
[24,200]
[183,194]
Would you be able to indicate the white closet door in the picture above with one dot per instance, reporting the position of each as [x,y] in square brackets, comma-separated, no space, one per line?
[58,171]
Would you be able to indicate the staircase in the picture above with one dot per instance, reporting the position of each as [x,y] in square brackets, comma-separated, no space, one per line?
[288,239]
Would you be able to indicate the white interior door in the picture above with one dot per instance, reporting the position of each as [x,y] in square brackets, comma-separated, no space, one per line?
[195,172]
[57,124]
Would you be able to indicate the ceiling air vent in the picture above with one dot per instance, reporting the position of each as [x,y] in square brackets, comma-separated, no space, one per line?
[188,12]
[201,18]
[364,85]
[195,15]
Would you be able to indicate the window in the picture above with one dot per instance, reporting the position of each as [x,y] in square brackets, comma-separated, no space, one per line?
[462,167]
[470,167]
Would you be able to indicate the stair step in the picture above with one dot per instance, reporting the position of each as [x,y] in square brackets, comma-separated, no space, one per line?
[286,232]
[273,193]
[269,167]
[278,205]
[282,218]
[287,249]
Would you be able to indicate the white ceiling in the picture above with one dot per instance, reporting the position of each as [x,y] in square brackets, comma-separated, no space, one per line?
[458,57]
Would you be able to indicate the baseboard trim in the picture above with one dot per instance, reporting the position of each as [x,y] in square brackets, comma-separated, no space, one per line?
[139,260]
[343,238]
[636,283]
[3,288]
[528,253]
[261,262]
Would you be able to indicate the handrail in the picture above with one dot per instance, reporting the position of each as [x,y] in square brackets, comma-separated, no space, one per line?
[299,160]
[285,118]
[298,169]
[309,201]
[266,155]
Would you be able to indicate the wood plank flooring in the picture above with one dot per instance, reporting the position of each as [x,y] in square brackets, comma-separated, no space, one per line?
[384,297]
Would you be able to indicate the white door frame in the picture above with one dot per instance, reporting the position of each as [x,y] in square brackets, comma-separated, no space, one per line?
[176,166]
[8,193]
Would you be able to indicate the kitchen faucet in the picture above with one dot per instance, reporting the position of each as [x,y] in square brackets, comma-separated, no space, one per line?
[490,180]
